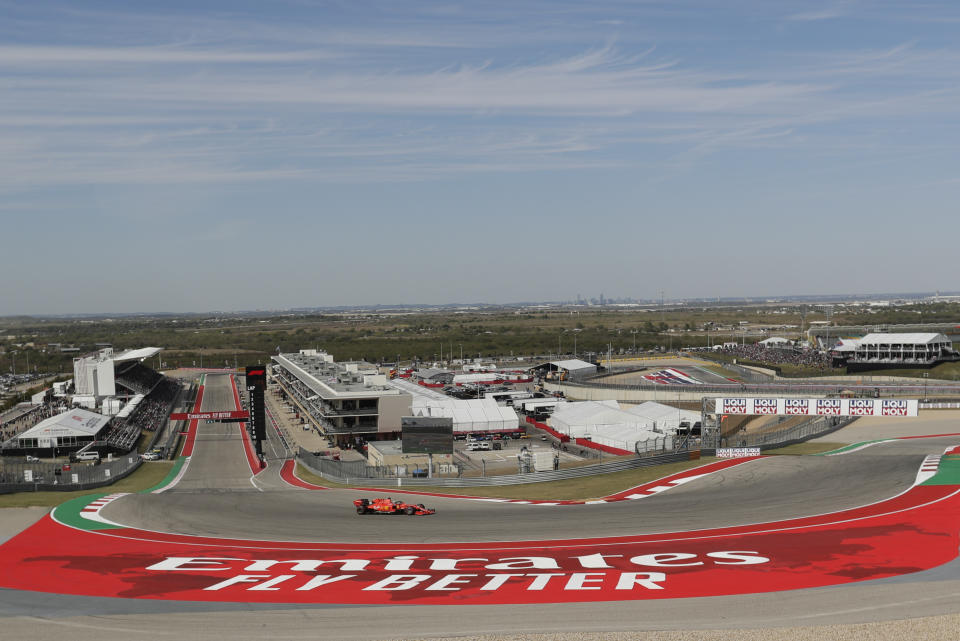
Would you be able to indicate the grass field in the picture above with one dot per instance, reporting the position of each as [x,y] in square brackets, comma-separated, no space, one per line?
[146,476]
[593,487]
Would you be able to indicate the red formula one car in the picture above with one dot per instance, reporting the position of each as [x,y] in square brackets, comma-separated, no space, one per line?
[389,506]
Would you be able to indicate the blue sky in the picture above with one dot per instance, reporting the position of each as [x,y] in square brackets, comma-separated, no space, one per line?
[430,152]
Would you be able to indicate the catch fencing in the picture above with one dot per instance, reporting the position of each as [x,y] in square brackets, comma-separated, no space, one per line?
[813,428]
[344,473]
[648,453]
[21,476]
[756,383]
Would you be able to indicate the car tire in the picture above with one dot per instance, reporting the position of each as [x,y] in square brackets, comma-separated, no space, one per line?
[361,509]
[410,511]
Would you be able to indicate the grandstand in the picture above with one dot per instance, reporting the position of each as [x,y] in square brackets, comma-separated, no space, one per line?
[136,377]
[887,351]
[143,413]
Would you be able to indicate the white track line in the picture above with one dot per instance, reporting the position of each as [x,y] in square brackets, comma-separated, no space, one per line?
[176,479]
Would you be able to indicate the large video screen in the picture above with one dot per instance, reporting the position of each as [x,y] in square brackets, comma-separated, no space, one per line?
[427,435]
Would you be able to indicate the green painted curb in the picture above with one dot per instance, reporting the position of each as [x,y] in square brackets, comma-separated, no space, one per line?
[172,474]
[947,474]
[852,446]
[69,513]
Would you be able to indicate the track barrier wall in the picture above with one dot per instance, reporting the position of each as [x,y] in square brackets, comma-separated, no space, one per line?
[813,428]
[322,467]
[80,476]
[764,386]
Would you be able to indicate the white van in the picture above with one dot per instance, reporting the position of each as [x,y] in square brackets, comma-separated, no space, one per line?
[86,456]
[478,446]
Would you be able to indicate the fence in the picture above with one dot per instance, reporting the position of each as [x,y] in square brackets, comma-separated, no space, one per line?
[20,476]
[171,434]
[569,388]
[817,426]
[329,472]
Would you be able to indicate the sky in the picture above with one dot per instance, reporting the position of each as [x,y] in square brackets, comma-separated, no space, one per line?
[204,155]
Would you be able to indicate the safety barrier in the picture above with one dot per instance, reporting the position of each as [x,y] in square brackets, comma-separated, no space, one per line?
[600,447]
[570,388]
[20,476]
[620,465]
[563,438]
[813,428]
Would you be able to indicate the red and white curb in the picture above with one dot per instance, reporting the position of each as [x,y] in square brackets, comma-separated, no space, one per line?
[928,469]
[92,510]
[656,489]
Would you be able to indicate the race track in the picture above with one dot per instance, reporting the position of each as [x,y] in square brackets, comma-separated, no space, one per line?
[893,559]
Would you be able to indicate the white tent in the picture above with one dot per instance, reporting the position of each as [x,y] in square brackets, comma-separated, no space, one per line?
[605,423]
[536,405]
[774,341]
[667,419]
[472,415]
[130,407]
[481,377]
[63,429]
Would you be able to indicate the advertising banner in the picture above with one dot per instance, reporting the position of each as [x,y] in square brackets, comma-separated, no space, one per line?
[818,406]
[191,416]
[737,452]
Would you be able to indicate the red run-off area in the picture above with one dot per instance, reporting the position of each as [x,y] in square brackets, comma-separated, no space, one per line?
[911,532]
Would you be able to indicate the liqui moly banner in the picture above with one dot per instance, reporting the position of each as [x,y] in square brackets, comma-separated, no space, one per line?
[818,406]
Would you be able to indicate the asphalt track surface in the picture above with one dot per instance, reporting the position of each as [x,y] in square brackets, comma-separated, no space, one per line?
[216,496]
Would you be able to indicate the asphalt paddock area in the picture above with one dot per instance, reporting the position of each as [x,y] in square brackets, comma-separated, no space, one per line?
[845,546]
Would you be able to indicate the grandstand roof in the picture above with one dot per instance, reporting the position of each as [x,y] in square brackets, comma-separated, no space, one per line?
[137,354]
[130,406]
[903,339]
[76,422]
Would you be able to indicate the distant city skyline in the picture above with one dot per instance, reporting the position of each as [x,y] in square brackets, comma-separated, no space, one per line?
[196,156]
[812,300]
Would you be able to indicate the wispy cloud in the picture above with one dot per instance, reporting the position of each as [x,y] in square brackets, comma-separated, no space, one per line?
[229,100]
[23,56]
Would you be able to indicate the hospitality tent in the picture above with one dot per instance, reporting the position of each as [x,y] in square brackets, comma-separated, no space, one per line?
[604,422]
[665,418]
[471,415]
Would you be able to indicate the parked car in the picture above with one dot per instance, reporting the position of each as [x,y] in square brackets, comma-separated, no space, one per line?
[32,459]
[85,456]
[150,456]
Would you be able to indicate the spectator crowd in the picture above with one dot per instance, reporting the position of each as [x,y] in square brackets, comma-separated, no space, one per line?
[16,420]
[779,356]
[139,378]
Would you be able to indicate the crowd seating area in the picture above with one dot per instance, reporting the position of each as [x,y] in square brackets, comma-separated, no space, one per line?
[137,377]
[150,414]
[23,422]
[778,356]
